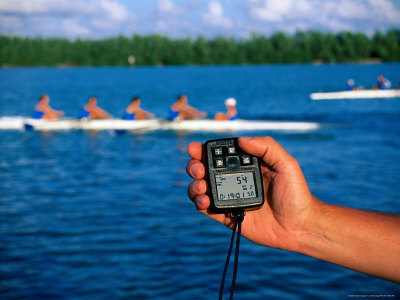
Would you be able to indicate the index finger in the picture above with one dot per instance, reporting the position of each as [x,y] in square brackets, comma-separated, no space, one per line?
[195,150]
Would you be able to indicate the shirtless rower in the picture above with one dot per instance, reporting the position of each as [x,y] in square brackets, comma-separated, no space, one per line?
[92,112]
[180,110]
[134,112]
[44,111]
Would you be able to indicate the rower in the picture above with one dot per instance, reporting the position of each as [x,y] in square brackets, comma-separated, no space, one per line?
[134,112]
[231,113]
[383,83]
[44,111]
[180,110]
[350,85]
[92,112]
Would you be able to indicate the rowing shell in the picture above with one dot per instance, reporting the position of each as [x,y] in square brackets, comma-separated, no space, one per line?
[114,124]
[20,123]
[356,94]
[240,125]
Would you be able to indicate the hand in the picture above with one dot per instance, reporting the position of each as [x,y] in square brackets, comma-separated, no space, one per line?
[293,219]
[288,203]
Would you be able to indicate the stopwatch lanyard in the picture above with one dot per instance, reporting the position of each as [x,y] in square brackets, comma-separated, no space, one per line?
[238,216]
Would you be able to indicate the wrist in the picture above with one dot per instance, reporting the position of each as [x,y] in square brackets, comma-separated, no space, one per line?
[312,237]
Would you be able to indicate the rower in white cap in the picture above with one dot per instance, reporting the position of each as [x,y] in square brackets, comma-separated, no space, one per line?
[231,113]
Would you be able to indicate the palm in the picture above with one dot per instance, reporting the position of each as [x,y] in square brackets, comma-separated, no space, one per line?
[287,201]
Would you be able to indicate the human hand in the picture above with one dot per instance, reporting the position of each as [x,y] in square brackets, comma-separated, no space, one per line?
[288,206]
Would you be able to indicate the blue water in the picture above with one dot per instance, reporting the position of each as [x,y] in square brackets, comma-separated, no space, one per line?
[94,215]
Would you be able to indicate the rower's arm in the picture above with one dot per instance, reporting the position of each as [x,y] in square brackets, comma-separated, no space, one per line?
[49,110]
[231,113]
[150,115]
[365,241]
[102,112]
[194,111]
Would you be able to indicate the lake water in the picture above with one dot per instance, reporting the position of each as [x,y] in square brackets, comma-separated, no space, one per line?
[94,215]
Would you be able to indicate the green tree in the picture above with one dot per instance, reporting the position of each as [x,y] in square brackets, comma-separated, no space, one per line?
[155,49]
[392,45]
[201,51]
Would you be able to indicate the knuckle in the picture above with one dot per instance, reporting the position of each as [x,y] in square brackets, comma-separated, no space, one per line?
[269,139]
[292,163]
[190,192]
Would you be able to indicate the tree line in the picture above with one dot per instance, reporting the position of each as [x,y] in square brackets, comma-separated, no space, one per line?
[155,49]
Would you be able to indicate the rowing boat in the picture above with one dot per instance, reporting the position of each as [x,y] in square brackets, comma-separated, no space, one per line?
[20,123]
[356,94]
[240,125]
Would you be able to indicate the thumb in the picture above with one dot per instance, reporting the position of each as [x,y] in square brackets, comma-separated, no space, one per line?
[269,150]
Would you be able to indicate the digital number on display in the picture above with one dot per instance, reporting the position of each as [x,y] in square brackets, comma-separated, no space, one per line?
[235,186]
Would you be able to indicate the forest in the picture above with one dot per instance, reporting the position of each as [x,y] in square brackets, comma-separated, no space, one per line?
[155,49]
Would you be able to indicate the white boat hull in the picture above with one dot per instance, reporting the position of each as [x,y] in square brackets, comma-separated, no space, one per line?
[114,124]
[356,94]
[11,123]
[48,125]
[19,123]
[117,124]
[240,125]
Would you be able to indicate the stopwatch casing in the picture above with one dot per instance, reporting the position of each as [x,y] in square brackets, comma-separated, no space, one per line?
[233,177]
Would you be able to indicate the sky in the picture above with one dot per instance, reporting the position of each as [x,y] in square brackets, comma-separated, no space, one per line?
[192,18]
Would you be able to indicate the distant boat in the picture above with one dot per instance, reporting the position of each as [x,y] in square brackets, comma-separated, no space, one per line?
[356,94]
[20,123]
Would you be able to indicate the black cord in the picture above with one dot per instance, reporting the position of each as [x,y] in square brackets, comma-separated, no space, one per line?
[221,289]
[238,216]
[239,220]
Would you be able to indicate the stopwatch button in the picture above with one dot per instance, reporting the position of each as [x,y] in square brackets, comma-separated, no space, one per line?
[217,151]
[246,160]
[219,163]
[231,150]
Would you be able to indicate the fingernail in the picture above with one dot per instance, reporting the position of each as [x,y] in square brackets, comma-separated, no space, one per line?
[245,138]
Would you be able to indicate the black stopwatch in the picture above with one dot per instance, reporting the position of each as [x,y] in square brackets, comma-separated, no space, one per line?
[233,176]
